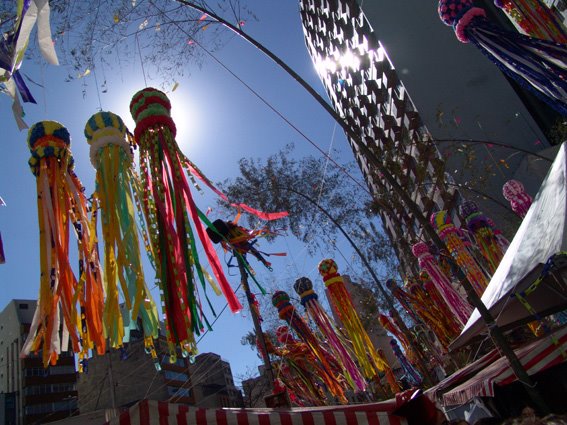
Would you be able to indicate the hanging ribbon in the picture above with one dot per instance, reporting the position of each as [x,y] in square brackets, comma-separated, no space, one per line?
[173,219]
[309,299]
[112,157]
[79,300]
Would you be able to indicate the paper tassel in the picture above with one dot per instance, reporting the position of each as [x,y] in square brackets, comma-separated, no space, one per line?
[455,303]
[520,201]
[111,155]
[328,373]
[539,65]
[485,237]
[451,235]
[173,220]
[309,299]
[368,358]
[62,203]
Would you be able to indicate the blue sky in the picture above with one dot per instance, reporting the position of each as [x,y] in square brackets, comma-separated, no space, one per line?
[219,122]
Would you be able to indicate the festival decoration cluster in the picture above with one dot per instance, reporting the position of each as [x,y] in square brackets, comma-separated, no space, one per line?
[537,64]
[109,296]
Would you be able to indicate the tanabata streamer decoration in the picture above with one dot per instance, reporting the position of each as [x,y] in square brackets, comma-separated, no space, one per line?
[534,19]
[112,157]
[389,325]
[539,65]
[423,289]
[452,237]
[520,201]
[477,223]
[170,210]
[309,299]
[410,372]
[458,307]
[365,352]
[423,310]
[328,373]
[301,371]
[233,237]
[61,203]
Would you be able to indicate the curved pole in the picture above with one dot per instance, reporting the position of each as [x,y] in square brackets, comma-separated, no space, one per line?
[487,142]
[494,330]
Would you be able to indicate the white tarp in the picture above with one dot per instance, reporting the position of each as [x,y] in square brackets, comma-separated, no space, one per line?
[542,233]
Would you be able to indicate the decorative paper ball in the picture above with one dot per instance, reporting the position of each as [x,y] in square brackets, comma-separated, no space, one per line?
[302,285]
[511,189]
[327,267]
[304,288]
[104,121]
[282,334]
[103,129]
[391,284]
[419,249]
[48,139]
[151,107]
[280,299]
[440,219]
[451,11]
[468,208]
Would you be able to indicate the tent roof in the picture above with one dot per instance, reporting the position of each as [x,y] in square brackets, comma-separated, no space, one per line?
[535,357]
[151,412]
[542,234]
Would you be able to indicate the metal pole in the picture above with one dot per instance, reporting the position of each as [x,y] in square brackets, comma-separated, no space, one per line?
[255,319]
[495,332]
[111,383]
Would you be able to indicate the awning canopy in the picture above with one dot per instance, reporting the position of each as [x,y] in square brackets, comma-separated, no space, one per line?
[151,412]
[535,357]
[542,234]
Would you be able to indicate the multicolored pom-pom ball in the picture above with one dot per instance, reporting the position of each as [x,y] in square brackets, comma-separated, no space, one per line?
[451,11]
[151,107]
[419,249]
[280,299]
[328,267]
[48,139]
[102,121]
[303,284]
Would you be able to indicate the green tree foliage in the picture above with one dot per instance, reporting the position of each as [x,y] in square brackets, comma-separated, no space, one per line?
[164,35]
[304,187]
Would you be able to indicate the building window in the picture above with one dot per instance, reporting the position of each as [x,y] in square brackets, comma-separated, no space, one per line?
[49,388]
[176,376]
[58,406]
[179,392]
[23,306]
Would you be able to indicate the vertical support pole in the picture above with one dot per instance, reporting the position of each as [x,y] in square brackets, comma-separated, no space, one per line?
[255,319]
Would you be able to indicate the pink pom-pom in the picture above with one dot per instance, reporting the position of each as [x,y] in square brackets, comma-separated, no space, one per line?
[464,22]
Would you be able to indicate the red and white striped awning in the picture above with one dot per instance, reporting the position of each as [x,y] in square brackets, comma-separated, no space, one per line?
[536,356]
[151,412]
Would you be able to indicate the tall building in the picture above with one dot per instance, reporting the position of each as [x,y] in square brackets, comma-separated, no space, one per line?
[256,389]
[365,89]
[460,95]
[29,393]
[120,378]
[213,384]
